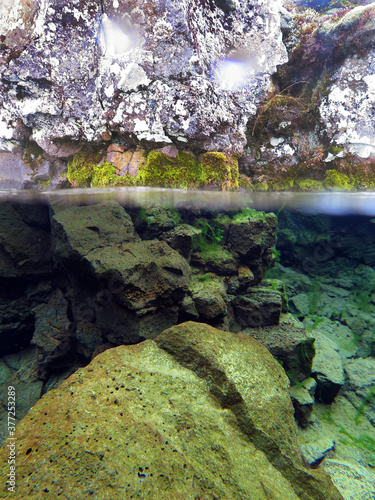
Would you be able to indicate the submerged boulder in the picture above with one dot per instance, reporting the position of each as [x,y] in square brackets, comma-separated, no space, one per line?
[197,412]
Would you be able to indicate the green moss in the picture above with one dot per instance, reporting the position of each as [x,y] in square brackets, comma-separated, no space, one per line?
[245,183]
[213,253]
[281,185]
[160,170]
[310,185]
[246,214]
[335,150]
[85,170]
[105,176]
[44,184]
[337,181]
[81,168]
[261,186]
[220,171]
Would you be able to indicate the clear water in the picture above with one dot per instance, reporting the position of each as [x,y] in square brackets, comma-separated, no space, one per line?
[325,255]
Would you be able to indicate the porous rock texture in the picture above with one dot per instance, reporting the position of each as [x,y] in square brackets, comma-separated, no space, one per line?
[348,110]
[88,70]
[195,413]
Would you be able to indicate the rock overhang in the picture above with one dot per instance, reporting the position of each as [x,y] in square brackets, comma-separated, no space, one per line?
[150,71]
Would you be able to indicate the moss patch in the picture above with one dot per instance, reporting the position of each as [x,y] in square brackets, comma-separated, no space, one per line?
[160,170]
[85,170]
[310,185]
[220,171]
[337,181]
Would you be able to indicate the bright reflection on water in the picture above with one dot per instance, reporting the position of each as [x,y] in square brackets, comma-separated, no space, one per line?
[232,74]
[333,203]
[112,39]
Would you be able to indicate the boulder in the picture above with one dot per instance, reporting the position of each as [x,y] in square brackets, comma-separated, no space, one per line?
[290,345]
[327,368]
[210,298]
[182,239]
[78,230]
[359,386]
[259,307]
[352,480]
[195,413]
[252,236]
[149,273]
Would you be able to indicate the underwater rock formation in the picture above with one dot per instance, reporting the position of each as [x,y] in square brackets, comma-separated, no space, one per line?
[195,412]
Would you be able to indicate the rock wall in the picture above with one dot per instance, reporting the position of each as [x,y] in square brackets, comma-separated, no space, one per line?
[154,72]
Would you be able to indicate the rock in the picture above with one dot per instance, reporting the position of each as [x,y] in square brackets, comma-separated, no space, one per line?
[125,160]
[302,403]
[251,238]
[327,368]
[18,257]
[359,387]
[351,95]
[150,274]
[353,481]
[154,221]
[315,453]
[182,407]
[278,285]
[182,238]
[351,33]
[259,307]
[210,298]
[299,305]
[14,174]
[53,333]
[16,327]
[215,259]
[149,72]
[245,277]
[289,343]
[76,231]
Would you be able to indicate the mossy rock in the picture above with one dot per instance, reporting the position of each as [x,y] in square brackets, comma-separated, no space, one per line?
[279,286]
[81,168]
[105,176]
[336,181]
[85,169]
[160,170]
[310,185]
[245,183]
[220,171]
[209,296]
[215,258]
